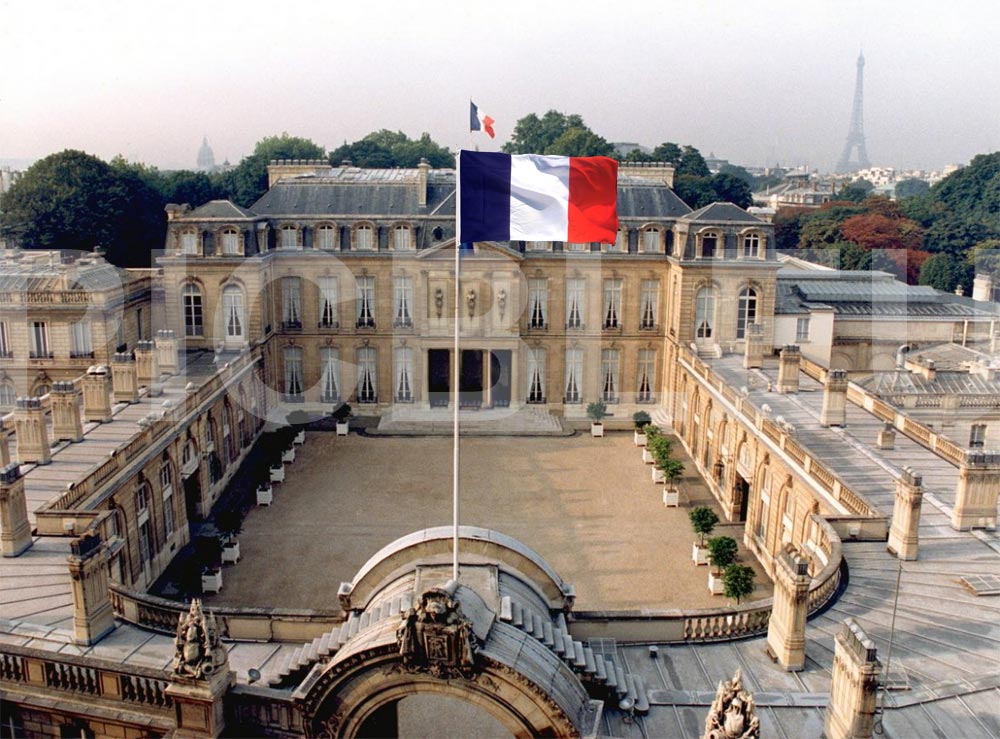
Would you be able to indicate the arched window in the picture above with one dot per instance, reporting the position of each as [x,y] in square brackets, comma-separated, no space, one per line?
[326,236]
[167,491]
[747,311]
[231,241]
[650,243]
[401,238]
[704,313]
[289,237]
[364,238]
[7,394]
[192,310]
[751,246]
[190,242]
[232,312]
[709,244]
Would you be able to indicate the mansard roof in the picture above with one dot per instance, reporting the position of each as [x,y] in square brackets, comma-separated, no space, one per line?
[724,212]
[219,209]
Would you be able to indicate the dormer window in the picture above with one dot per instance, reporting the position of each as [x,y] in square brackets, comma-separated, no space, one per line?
[189,242]
[231,241]
[709,244]
[751,246]
[650,243]
[401,240]
[289,237]
[325,236]
[364,239]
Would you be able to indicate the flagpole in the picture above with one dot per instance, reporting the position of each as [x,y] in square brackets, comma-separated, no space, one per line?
[455,381]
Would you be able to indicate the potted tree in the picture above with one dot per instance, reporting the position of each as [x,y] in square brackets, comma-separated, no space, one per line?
[641,420]
[721,553]
[672,471]
[659,447]
[652,432]
[703,521]
[597,411]
[208,551]
[229,522]
[738,582]
[341,415]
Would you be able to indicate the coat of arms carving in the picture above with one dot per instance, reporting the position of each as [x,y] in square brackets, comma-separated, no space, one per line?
[436,637]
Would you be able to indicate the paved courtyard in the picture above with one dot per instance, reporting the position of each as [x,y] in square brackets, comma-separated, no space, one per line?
[588,506]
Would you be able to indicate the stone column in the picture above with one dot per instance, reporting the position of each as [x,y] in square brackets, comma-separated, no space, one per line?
[166,351]
[32,432]
[788,369]
[906,515]
[886,438]
[786,631]
[124,381]
[15,529]
[755,347]
[978,487]
[147,365]
[66,423]
[850,713]
[97,394]
[834,399]
[93,617]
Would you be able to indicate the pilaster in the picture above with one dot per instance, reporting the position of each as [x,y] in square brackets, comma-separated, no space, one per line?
[903,533]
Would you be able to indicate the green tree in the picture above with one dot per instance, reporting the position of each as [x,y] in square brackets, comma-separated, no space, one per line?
[736,170]
[668,151]
[787,228]
[185,186]
[722,552]
[943,272]
[534,135]
[692,163]
[856,191]
[697,192]
[984,257]
[911,188]
[731,189]
[580,142]
[737,582]
[248,181]
[387,148]
[703,520]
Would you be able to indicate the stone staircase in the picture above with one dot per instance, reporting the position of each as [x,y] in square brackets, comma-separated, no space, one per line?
[526,421]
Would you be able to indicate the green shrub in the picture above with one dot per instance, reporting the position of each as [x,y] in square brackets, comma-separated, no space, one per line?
[722,552]
[737,582]
[703,521]
[597,410]
[640,419]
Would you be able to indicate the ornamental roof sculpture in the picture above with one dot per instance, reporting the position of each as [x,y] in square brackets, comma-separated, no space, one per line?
[732,715]
[436,637]
[198,651]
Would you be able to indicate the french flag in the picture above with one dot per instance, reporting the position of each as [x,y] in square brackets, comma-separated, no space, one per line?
[530,197]
[479,122]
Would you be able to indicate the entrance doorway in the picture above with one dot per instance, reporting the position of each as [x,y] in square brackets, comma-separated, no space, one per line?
[500,375]
[741,492]
[438,377]
[470,385]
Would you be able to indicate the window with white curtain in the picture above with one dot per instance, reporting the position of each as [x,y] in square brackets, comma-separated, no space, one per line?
[326,236]
[613,303]
[289,237]
[39,340]
[609,375]
[403,381]
[363,238]
[7,394]
[574,375]
[401,240]
[4,341]
[536,375]
[291,302]
[232,309]
[537,299]
[704,313]
[231,241]
[788,517]
[167,492]
[751,246]
[802,329]
[647,375]
[650,241]
[80,340]
[648,304]
[330,375]
[192,311]
[189,242]
[575,287]
[328,302]
[765,504]
[402,301]
[747,311]
[365,302]
[367,386]
[293,373]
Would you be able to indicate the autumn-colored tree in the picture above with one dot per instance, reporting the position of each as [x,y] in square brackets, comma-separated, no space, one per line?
[877,231]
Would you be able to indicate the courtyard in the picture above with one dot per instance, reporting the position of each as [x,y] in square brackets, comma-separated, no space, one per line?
[587,505]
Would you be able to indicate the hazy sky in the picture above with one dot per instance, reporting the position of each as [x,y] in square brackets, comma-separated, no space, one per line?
[752,81]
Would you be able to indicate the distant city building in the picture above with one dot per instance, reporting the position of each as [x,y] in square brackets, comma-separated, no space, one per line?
[206,158]
[622,148]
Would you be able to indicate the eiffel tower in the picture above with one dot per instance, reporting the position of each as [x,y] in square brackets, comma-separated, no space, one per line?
[856,136]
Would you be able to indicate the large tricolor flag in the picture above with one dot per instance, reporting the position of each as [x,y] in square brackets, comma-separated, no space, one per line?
[530,197]
[480,122]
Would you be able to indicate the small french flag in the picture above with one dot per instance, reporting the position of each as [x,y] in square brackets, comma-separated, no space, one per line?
[529,197]
[479,122]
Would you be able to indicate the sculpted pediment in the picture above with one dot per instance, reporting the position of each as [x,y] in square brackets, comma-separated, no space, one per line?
[482,251]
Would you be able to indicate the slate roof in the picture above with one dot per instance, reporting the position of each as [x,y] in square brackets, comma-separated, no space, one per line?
[219,209]
[944,383]
[723,212]
[34,272]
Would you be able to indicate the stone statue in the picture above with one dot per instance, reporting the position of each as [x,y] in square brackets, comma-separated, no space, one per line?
[198,651]
[732,713]
[470,300]
[436,637]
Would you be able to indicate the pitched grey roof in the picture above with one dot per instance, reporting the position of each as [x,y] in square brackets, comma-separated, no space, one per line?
[944,383]
[641,200]
[723,212]
[219,209]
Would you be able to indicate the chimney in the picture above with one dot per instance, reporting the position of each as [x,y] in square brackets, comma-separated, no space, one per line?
[423,170]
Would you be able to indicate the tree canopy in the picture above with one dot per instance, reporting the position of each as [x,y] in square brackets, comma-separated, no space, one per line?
[387,148]
[248,181]
[556,133]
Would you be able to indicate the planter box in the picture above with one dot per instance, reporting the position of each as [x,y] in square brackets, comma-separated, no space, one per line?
[300,438]
[699,555]
[277,474]
[265,494]
[647,456]
[211,581]
[342,428]
[671,497]
[288,455]
[638,438]
[715,585]
[658,475]
[597,429]
[231,552]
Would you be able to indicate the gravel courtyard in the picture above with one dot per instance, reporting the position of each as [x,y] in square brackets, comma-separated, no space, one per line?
[586,505]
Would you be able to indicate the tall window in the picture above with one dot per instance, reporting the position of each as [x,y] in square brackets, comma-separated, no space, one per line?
[330,377]
[232,310]
[402,301]
[650,240]
[574,375]
[363,238]
[609,375]
[648,304]
[401,240]
[788,517]
[189,242]
[751,246]
[145,542]
[39,340]
[167,491]
[403,381]
[231,241]
[536,375]
[537,299]
[7,394]
[765,504]
[977,436]
[289,237]
[325,236]
[367,386]
[747,311]
[612,303]
[647,375]
[704,313]
[4,341]
[802,329]
[291,302]
[328,301]
[575,287]
[192,311]
[80,340]
[709,242]
[366,302]
[293,373]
